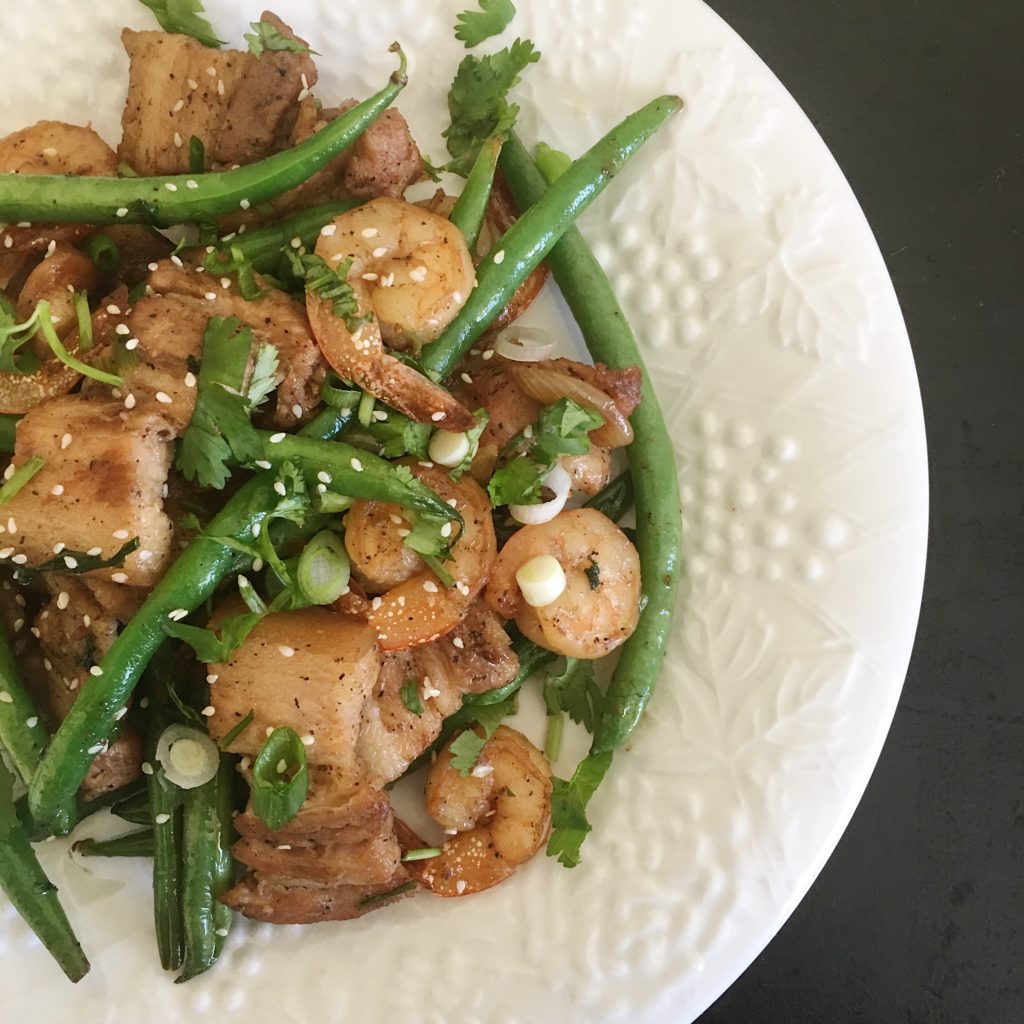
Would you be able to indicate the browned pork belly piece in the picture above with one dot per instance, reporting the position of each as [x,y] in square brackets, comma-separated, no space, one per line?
[294,901]
[476,656]
[241,107]
[275,318]
[101,485]
[310,670]
[52,147]
[74,633]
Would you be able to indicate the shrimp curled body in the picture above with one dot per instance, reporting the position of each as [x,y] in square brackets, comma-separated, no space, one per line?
[598,609]
[501,812]
[410,273]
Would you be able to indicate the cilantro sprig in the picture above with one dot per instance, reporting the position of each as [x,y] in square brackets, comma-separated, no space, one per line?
[478,100]
[328,283]
[465,748]
[569,824]
[220,430]
[494,16]
[562,429]
[267,37]
[186,18]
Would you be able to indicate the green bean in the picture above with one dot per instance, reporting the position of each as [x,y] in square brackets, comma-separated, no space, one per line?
[354,472]
[192,579]
[471,207]
[534,234]
[8,424]
[165,800]
[262,247]
[177,199]
[22,733]
[83,808]
[132,844]
[209,870]
[134,808]
[33,895]
[609,339]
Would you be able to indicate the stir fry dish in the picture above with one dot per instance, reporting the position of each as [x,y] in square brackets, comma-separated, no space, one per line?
[294,506]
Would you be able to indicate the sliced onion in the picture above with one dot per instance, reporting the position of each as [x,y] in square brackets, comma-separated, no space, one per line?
[524,344]
[189,757]
[546,385]
[556,480]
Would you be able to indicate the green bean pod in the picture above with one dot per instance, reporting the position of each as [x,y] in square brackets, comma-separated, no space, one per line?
[83,808]
[470,208]
[192,579]
[535,233]
[32,894]
[132,844]
[22,734]
[589,295]
[164,200]
[165,800]
[134,808]
[209,870]
[262,246]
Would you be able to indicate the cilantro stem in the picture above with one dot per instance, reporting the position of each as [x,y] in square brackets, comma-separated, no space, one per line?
[20,477]
[58,349]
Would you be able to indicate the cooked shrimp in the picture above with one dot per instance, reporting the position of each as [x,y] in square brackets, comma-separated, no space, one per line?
[410,272]
[501,811]
[413,606]
[598,609]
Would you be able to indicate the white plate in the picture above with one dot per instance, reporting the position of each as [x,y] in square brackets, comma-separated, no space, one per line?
[778,351]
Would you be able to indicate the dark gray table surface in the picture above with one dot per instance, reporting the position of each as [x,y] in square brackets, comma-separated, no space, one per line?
[919,915]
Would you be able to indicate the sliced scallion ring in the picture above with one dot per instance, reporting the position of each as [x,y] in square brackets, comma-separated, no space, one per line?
[323,570]
[188,756]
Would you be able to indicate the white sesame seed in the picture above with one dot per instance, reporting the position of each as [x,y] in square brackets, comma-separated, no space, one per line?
[87,621]
[371,277]
[308,741]
[94,551]
[466,377]
[403,532]
[457,296]
[211,71]
[376,603]
[191,183]
[381,250]
[120,714]
[418,274]
[12,526]
[212,678]
[263,464]
[178,614]
[255,529]
[65,441]
[286,651]
[170,186]
[244,204]
[481,771]
[153,266]
[123,330]
[277,438]
[321,488]
[147,768]
[178,142]
[177,106]
[462,588]
[190,379]
[437,416]
[397,519]
[280,488]
[122,211]
[452,502]
[282,766]
[6,552]
[356,465]
[129,402]
[430,586]
[71,563]
[211,296]
[220,86]
[296,410]
[114,310]
[95,671]
[499,257]
[98,748]
[324,477]
[49,151]
[59,547]
[380,416]
[369,232]
[63,599]
[458,642]
[162,818]
[328,229]
[6,698]
[176,260]
[209,711]
[387,281]
[192,83]
[9,472]
[32,722]
[163,398]
[119,577]
[121,534]
[18,623]
[446,530]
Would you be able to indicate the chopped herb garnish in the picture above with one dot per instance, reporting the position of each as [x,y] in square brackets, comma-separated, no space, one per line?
[265,36]
[466,747]
[575,690]
[410,694]
[494,16]
[382,897]
[330,284]
[473,437]
[398,435]
[46,328]
[280,778]
[424,853]
[234,261]
[478,101]
[238,729]
[186,18]
[593,573]
[20,477]
[196,155]
[569,808]
[77,562]
[104,253]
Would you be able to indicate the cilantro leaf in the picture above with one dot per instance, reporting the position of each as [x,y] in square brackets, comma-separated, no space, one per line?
[77,562]
[13,336]
[473,436]
[494,16]
[563,429]
[184,17]
[234,261]
[330,284]
[410,694]
[517,482]
[208,645]
[569,824]
[265,36]
[398,435]
[478,100]
[593,573]
[575,691]
[219,429]
[466,747]
[264,378]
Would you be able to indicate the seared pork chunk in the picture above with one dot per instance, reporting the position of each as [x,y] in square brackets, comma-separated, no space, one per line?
[310,670]
[241,107]
[116,766]
[102,484]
